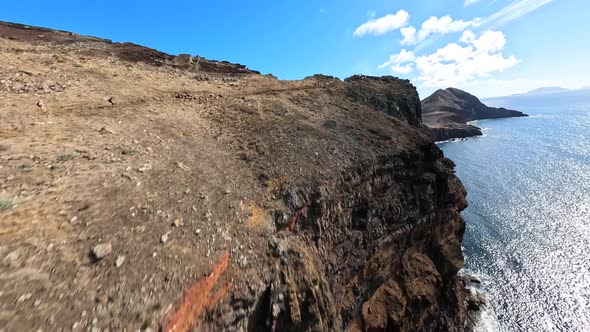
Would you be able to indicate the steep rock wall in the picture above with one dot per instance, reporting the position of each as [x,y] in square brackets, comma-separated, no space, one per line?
[372,246]
[378,251]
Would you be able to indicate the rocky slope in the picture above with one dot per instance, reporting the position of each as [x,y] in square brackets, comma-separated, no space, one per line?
[446,113]
[142,191]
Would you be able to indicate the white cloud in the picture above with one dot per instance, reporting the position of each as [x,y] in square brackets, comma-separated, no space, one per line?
[403,69]
[455,64]
[471,58]
[435,25]
[443,25]
[404,56]
[489,42]
[470,2]
[513,11]
[382,25]
[409,35]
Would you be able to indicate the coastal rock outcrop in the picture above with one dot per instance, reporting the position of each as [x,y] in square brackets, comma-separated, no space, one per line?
[312,205]
[388,94]
[447,112]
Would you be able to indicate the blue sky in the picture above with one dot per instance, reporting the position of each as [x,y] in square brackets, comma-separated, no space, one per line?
[488,47]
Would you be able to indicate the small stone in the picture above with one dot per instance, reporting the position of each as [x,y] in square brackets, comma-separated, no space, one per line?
[24,298]
[73,220]
[100,251]
[37,303]
[119,261]
[105,130]
[177,223]
[164,238]
[41,105]
[182,166]
[197,231]
[13,259]
[276,310]
[144,168]
[89,155]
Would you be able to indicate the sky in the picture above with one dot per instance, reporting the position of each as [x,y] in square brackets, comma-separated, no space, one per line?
[487,47]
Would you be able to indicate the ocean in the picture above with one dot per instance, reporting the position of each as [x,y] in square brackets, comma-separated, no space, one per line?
[528,220]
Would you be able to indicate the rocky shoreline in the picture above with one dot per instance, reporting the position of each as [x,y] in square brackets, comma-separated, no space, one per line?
[151,191]
[454,131]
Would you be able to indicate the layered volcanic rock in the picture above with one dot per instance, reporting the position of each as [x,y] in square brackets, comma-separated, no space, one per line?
[446,113]
[228,200]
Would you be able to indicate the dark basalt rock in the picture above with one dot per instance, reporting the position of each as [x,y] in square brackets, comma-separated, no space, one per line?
[388,94]
[454,132]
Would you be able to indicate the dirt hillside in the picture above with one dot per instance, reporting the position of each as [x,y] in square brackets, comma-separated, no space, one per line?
[144,191]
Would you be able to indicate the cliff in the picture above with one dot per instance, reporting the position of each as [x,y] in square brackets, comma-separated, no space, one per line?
[142,190]
[446,113]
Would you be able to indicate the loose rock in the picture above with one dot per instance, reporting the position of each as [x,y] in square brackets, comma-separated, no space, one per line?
[119,261]
[100,251]
[164,238]
[144,168]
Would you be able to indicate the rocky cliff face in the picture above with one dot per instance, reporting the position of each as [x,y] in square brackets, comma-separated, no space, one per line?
[220,199]
[387,94]
[447,112]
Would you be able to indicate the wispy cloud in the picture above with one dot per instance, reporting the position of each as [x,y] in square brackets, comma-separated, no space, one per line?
[514,10]
[470,2]
[382,25]
[446,24]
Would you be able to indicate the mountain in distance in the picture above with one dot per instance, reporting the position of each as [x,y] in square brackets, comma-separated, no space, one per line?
[552,90]
[546,90]
[447,113]
[544,97]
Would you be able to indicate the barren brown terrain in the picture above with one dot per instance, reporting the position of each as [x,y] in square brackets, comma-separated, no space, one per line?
[143,191]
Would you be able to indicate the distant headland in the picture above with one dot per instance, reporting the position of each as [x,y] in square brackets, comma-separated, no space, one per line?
[447,113]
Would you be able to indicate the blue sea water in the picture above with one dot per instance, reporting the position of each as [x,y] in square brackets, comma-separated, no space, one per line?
[528,221]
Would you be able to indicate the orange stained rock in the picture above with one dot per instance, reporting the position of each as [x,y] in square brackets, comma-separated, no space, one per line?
[198,299]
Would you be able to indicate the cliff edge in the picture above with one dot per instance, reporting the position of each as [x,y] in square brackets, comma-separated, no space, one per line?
[446,113]
[141,190]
